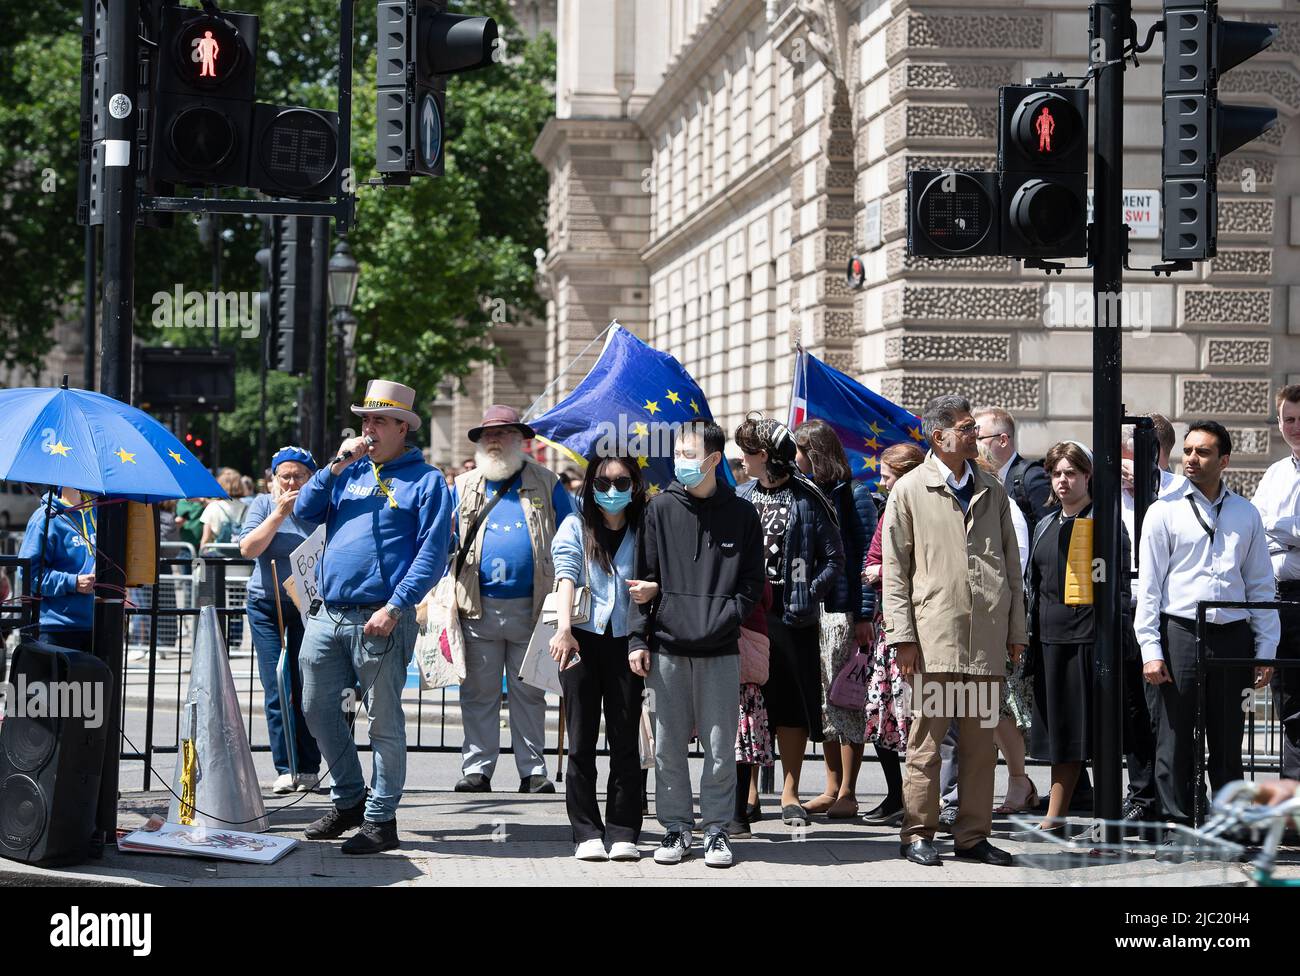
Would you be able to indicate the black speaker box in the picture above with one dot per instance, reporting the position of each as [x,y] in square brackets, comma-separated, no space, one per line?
[52,753]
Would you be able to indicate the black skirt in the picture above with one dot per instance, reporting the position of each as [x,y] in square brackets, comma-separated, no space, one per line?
[793,692]
[1062,723]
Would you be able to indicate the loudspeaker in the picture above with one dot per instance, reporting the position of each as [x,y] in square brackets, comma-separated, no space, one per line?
[52,753]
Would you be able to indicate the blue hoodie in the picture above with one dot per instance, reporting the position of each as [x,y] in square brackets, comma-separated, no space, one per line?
[67,556]
[374,552]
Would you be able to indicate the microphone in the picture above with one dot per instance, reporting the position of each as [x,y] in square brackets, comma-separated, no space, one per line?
[344,455]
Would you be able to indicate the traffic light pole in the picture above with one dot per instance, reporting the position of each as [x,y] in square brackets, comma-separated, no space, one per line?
[119,147]
[1110,20]
[320,240]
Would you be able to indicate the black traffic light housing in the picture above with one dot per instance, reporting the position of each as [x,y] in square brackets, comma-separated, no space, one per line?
[289,286]
[419,45]
[952,213]
[1043,164]
[1198,130]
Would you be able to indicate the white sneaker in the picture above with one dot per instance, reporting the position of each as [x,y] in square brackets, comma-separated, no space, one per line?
[622,850]
[717,850]
[591,850]
[306,782]
[675,847]
[283,784]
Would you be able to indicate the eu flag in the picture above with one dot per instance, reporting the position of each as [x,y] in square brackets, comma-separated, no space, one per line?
[630,404]
[866,422]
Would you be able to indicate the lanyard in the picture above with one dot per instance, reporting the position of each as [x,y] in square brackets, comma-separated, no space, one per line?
[392,502]
[1218,511]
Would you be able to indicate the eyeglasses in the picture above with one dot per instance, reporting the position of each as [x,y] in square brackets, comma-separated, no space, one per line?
[621,483]
[966,430]
[985,437]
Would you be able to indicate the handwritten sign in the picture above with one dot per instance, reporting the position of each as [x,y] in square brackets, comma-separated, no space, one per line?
[303,562]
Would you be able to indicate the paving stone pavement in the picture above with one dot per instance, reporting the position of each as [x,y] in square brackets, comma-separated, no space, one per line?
[512,839]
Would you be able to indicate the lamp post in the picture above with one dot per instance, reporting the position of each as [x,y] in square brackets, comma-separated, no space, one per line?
[343,276]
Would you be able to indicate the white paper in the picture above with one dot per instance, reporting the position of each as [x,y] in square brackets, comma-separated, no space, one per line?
[218,842]
[539,669]
[303,563]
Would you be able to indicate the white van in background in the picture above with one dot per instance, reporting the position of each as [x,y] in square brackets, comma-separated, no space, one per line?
[16,505]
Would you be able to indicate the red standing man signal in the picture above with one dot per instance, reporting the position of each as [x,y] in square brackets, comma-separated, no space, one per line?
[1045,125]
[205,50]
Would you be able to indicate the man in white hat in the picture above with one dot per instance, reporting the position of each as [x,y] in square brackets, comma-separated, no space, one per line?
[387,518]
[504,571]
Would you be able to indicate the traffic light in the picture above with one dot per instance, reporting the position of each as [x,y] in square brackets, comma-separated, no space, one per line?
[266,297]
[1043,163]
[206,82]
[1198,130]
[952,213]
[291,293]
[207,130]
[419,45]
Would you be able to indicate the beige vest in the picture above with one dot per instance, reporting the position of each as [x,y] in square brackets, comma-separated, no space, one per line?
[535,490]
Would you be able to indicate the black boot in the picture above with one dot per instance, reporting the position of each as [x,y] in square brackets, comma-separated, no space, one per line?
[337,822]
[372,838]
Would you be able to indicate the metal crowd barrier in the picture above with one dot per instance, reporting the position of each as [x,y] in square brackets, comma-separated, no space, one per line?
[1270,759]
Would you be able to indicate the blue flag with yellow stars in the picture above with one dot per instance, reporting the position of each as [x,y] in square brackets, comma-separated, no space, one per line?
[630,404]
[866,422]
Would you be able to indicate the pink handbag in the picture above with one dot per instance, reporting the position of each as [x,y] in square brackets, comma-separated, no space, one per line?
[753,657]
[849,689]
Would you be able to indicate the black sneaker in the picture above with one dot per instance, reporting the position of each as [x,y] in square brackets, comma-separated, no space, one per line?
[739,828]
[947,817]
[372,838]
[336,823]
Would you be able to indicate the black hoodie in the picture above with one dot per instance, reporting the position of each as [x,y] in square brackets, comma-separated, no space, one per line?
[706,554]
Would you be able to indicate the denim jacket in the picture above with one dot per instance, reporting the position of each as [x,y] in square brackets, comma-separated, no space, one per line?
[610,602]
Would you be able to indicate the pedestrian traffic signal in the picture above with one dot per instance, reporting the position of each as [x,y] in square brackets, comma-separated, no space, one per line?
[1043,162]
[204,112]
[952,213]
[207,129]
[419,45]
[1198,130]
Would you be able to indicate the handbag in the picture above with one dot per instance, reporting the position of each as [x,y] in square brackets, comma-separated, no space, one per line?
[440,645]
[580,612]
[849,689]
[754,651]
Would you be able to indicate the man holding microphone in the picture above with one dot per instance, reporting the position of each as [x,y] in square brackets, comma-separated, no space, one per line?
[388,527]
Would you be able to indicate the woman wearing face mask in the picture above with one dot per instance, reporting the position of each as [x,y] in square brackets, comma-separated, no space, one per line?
[597,549]
[804,558]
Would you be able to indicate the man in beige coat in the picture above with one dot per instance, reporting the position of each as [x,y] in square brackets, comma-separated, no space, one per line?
[953,610]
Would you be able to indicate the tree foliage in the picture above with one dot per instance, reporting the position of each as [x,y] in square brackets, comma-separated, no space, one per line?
[437,257]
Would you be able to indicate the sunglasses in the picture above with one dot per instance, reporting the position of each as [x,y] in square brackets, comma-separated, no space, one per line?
[621,483]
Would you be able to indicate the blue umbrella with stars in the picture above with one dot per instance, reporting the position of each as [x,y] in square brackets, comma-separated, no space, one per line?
[86,440]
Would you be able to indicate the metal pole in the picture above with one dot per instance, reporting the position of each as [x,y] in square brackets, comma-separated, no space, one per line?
[340,373]
[1110,20]
[119,148]
[343,218]
[214,226]
[89,270]
[319,335]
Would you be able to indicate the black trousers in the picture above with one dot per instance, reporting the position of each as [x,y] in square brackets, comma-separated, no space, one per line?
[1139,738]
[1286,681]
[1173,711]
[603,675]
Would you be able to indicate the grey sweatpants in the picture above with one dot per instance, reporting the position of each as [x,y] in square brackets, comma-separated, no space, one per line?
[695,694]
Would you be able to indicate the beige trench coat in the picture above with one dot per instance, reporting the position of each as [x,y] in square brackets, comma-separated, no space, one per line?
[952,581]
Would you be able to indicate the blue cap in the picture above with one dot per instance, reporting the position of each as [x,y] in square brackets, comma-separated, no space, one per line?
[290,453]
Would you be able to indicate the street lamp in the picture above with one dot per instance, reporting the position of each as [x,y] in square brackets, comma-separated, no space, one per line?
[343,276]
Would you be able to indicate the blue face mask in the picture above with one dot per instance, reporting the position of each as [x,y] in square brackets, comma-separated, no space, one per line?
[613,501]
[688,472]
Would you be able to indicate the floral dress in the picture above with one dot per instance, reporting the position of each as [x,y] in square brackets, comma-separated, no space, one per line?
[889,697]
[753,737]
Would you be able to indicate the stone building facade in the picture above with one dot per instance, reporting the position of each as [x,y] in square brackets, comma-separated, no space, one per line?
[715,163]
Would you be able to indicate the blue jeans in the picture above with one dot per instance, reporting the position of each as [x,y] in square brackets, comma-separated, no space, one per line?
[336,655]
[266,642]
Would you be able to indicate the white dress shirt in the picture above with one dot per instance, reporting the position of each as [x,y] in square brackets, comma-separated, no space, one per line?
[1278,501]
[951,478]
[1022,533]
[1181,565]
[1169,482]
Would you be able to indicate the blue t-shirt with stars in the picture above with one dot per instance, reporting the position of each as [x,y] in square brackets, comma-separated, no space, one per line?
[506,570]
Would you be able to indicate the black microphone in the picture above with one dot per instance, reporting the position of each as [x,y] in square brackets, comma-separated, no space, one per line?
[344,455]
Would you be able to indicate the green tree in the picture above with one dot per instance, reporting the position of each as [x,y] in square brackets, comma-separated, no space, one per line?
[438,258]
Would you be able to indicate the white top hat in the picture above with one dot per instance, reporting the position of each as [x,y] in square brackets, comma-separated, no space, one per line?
[389,399]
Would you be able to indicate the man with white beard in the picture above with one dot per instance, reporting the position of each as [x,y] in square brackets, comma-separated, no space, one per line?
[507,508]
